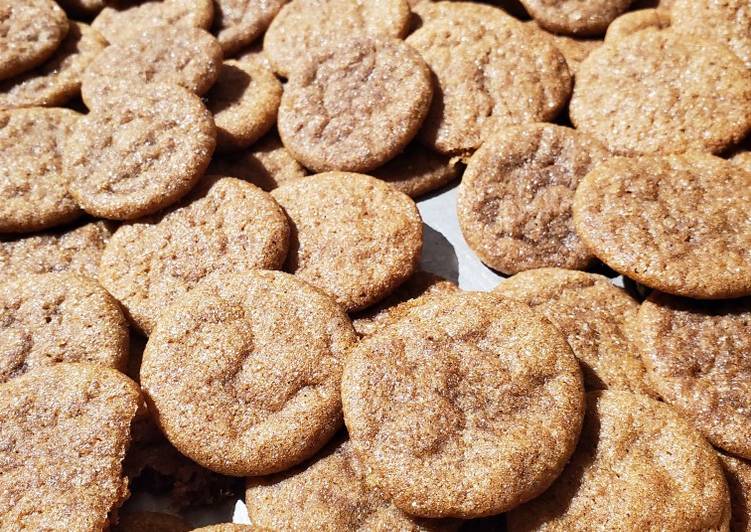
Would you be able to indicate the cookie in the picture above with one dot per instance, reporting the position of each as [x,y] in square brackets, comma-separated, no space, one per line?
[229,225]
[65,431]
[243,372]
[244,102]
[638,466]
[514,201]
[634,21]
[188,57]
[738,475]
[466,393]
[356,105]
[574,49]
[491,71]
[303,27]
[417,171]
[30,32]
[674,223]
[696,354]
[329,493]
[33,184]
[140,154]
[662,92]
[594,315]
[237,23]
[354,236]
[574,17]
[151,522]
[742,159]
[59,79]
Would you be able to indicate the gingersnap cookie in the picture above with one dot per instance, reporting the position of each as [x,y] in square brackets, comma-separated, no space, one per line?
[244,102]
[696,355]
[353,235]
[30,32]
[243,373]
[151,522]
[65,432]
[464,394]
[228,225]
[742,159]
[662,92]
[237,23]
[417,171]
[574,17]
[594,315]
[738,475]
[356,105]
[188,57]
[140,154]
[634,21]
[33,193]
[59,79]
[491,71]
[574,49]
[514,200]
[676,223]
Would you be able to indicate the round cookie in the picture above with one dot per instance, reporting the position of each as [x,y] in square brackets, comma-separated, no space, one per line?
[464,394]
[514,200]
[30,32]
[574,17]
[491,71]
[228,225]
[64,425]
[59,79]
[696,355]
[303,27]
[742,159]
[188,57]
[638,466]
[244,101]
[594,315]
[574,49]
[417,171]
[676,223]
[140,154]
[634,21]
[662,92]
[243,374]
[738,475]
[237,23]
[352,235]
[151,522]
[33,184]
[356,105]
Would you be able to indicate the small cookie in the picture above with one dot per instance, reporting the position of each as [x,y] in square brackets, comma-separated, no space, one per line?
[237,23]
[634,21]
[188,57]
[417,171]
[575,17]
[514,201]
[229,225]
[352,235]
[244,101]
[65,432]
[676,223]
[303,27]
[491,71]
[594,315]
[140,154]
[696,354]
[30,32]
[59,79]
[243,372]
[738,475]
[151,522]
[638,466]
[33,184]
[356,105]
[662,92]
[574,49]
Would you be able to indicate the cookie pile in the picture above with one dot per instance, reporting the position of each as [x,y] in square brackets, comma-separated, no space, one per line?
[210,249]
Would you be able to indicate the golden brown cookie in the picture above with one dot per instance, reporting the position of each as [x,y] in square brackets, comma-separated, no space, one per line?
[65,432]
[696,355]
[491,71]
[140,154]
[634,21]
[33,193]
[574,49]
[417,170]
[151,522]
[575,17]
[676,223]
[243,373]
[738,475]
[228,225]
[352,235]
[237,23]
[244,101]
[464,394]
[355,105]
[514,201]
[303,27]
[742,159]
[638,466]
[662,92]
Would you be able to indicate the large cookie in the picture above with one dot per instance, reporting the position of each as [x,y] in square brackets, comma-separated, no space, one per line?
[237,23]
[465,394]
[417,170]
[676,223]
[575,17]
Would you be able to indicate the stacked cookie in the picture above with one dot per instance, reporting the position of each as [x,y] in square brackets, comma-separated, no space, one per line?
[210,254]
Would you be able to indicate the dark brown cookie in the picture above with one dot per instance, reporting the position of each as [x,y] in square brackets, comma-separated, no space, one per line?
[417,170]
[575,17]
[237,23]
